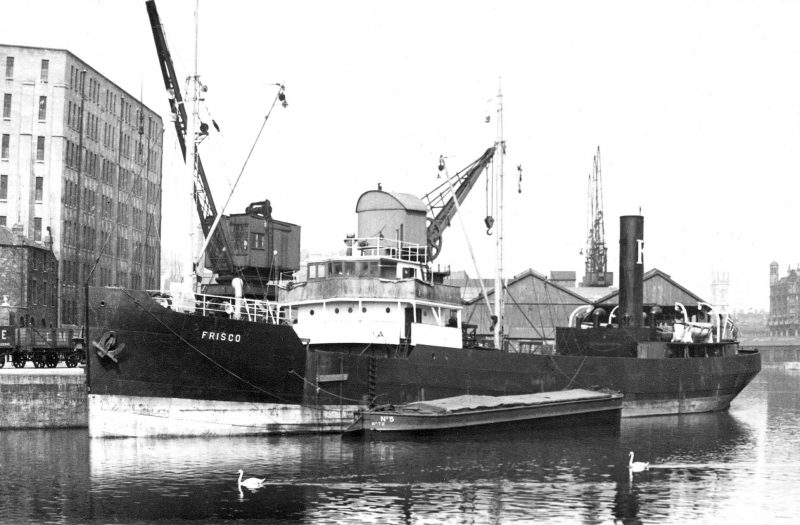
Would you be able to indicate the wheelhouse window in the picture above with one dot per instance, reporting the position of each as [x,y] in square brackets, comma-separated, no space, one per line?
[388,270]
[317,271]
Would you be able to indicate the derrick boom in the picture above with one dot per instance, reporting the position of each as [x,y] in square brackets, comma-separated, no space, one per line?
[442,205]
[219,254]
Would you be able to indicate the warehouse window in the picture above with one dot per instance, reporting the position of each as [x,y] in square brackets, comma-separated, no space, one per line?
[9,68]
[4,147]
[39,189]
[3,187]
[45,70]
[40,149]
[37,229]
[42,108]
[7,105]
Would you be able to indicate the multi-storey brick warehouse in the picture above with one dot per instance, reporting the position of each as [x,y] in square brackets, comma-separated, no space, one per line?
[29,277]
[80,170]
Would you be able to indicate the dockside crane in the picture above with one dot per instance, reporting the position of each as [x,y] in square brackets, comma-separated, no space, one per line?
[596,273]
[244,245]
[219,253]
[441,202]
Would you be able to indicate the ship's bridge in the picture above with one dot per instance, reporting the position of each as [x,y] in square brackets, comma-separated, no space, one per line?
[379,291]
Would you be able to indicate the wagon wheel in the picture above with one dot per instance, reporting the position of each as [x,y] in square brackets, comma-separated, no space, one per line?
[38,360]
[72,360]
[51,359]
[18,360]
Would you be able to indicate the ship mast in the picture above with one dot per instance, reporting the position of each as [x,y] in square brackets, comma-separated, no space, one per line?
[188,270]
[498,279]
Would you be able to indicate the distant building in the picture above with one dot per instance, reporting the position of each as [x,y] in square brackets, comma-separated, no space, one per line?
[470,288]
[720,285]
[784,302]
[80,171]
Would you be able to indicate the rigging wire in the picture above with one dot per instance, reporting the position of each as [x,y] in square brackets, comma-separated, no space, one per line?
[443,167]
[522,311]
[280,96]
[206,356]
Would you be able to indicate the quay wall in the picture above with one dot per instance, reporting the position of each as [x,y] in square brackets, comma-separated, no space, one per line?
[43,398]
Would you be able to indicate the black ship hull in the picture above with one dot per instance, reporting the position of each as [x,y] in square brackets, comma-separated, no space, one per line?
[652,386]
[165,373]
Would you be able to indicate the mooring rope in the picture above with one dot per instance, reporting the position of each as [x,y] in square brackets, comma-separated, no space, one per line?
[320,389]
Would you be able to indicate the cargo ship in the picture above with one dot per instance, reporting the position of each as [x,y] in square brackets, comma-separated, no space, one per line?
[374,325]
[377,325]
[384,329]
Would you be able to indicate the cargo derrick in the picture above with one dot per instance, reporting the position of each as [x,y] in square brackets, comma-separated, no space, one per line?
[243,245]
[442,205]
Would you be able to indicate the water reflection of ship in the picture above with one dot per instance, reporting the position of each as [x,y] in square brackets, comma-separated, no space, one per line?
[495,475]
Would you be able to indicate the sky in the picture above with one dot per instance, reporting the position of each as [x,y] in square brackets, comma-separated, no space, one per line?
[694,105]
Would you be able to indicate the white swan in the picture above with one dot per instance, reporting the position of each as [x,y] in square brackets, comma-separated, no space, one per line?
[250,483]
[636,466]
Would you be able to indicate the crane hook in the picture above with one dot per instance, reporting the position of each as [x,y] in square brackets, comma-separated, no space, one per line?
[489,221]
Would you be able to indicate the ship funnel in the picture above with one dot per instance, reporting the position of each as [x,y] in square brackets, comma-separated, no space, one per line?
[631,269]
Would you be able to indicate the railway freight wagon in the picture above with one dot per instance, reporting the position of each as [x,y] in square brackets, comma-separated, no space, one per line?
[44,347]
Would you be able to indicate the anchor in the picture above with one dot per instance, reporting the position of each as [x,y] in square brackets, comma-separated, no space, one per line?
[107,346]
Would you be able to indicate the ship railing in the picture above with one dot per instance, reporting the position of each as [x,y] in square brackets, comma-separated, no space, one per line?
[253,310]
[394,248]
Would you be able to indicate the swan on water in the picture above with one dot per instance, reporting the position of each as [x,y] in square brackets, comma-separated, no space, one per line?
[250,483]
[637,466]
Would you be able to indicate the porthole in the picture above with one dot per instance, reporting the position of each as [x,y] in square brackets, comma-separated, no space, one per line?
[364,310]
[336,310]
[350,310]
[311,312]
[388,309]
